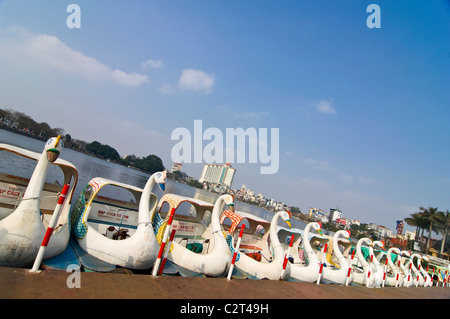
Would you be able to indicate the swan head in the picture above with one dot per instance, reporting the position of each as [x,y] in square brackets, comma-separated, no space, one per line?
[406,253]
[286,216]
[379,244]
[318,228]
[368,241]
[160,179]
[53,148]
[229,201]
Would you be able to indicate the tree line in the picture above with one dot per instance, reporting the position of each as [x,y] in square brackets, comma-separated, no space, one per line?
[19,122]
[430,219]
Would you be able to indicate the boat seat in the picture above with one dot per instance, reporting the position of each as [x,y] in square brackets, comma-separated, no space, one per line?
[195,247]
[121,234]
[255,256]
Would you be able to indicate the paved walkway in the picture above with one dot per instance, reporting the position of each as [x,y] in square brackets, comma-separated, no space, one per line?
[51,284]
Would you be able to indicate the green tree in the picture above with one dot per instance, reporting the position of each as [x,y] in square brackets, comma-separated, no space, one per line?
[443,226]
[151,164]
[418,220]
[430,215]
[103,151]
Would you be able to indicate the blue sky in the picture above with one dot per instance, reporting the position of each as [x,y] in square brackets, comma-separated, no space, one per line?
[363,113]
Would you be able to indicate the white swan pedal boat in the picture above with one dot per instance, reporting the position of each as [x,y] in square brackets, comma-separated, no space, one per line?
[259,257]
[27,205]
[207,253]
[116,231]
[307,250]
[337,271]
[362,269]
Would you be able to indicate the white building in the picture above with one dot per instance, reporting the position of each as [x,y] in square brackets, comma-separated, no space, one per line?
[335,214]
[218,174]
[176,167]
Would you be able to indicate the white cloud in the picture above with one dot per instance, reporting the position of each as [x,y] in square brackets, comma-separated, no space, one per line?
[289,153]
[252,115]
[156,64]
[326,107]
[319,165]
[50,51]
[167,89]
[196,80]
[364,180]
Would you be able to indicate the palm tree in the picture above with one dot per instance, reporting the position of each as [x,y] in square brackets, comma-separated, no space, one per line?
[418,220]
[430,215]
[443,226]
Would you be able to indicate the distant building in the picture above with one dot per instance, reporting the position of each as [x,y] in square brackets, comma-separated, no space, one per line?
[356,222]
[384,232]
[318,213]
[176,167]
[218,174]
[335,214]
[345,222]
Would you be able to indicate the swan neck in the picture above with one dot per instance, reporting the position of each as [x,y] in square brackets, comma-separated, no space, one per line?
[277,249]
[338,253]
[37,181]
[309,251]
[360,254]
[145,216]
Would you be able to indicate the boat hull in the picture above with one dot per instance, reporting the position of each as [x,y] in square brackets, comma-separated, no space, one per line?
[21,235]
[137,252]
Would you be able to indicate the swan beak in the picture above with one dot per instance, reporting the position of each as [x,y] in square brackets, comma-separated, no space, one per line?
[231,207]
[162,186]
[288,222]
[320,231]
[52,154]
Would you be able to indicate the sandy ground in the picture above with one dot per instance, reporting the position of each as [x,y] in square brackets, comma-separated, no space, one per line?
[52,284]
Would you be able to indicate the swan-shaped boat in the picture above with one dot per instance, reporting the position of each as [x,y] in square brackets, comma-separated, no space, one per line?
[406,267]
[428,281]
[394,277]
[419,279]
[215,260]
[378,268]
[338,275]
[24,220]
[310,272]
[360,275]
[116,231]
[266,268]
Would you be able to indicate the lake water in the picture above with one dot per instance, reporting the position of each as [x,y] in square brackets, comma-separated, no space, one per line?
[89,167]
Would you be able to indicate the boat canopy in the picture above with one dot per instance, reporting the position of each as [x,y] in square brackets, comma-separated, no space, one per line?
[253,223]
[98,183]
[69,170]
[174,201]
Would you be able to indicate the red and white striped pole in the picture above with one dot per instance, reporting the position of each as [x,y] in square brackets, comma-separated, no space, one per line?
[50,228]
[286,256]
[236,251]
[445,279]
[426,276]
[324,253]
[398,273]
[432,276]
[349,271]
[385,271]
[418,276]
[166,252]
[369,272]
[409,274]
[163,243]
